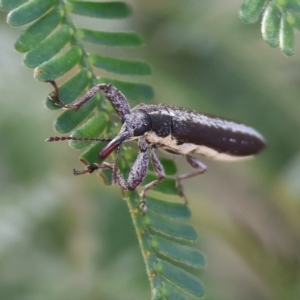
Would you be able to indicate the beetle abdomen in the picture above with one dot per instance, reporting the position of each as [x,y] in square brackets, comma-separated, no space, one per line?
[236,143]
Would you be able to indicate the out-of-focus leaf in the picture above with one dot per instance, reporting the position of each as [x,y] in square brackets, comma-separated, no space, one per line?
[171,228]
[169,209]
[292,5]
[180,253]
[11,4]
[271,24]
[181,278]
[169,291]
[286,37]
[251,10]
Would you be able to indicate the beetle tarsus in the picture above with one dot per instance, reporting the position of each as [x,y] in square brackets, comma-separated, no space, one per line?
[200,169]
[160,172]
[143,206]
[180,191]
[55,97]
[89,169]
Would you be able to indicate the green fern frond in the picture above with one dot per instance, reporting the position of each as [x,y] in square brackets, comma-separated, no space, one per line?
[53,47]
[279,18]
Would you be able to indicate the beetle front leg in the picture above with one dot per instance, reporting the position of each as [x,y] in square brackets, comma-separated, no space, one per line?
[77,104]
[138,170]
[159,169]
[200,168]
[112,94]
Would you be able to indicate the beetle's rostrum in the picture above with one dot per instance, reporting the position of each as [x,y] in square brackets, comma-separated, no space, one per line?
[134,126]
[174,129]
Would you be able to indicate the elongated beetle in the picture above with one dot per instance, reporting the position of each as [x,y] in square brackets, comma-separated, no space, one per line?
[174,129]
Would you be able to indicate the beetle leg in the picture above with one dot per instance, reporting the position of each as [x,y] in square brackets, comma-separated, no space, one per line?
[159,169]
[200,168]
[138,170]
[89,169]
[116,98]
[112,94]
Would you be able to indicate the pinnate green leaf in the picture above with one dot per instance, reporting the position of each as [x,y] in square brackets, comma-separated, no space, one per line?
[38,31]
[181,278]
[11,4]
[59,65]
[120,66]
[70,119]
[90,156]
[169,291]
[280,17]
[132,90]
[71,89]
[293,19]
[170,227]
[251,10]
[286,37]
[180,253]
[106,38]
[109,10]
[292,5]
[271,24]
[29,12]
[49,47]
[167,186]
[175,210]
[92,128]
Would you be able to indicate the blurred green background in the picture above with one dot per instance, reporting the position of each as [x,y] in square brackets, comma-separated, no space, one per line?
[65,237]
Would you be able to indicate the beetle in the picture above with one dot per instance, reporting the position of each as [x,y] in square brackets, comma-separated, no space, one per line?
[177,130]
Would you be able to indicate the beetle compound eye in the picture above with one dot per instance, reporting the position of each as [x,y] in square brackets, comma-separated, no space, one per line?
[143,125]
[140,130]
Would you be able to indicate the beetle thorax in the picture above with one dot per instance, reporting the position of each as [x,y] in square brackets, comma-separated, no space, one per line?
[136,124]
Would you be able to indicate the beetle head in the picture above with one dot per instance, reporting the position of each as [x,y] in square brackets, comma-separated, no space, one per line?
[134,125]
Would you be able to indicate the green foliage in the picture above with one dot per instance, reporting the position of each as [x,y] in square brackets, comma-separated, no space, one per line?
[119,66]
[110,38]
[53,47]
[163,229]
[279,19]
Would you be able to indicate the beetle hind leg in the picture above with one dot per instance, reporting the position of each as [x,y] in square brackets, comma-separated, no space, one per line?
[200,169]
[159,169]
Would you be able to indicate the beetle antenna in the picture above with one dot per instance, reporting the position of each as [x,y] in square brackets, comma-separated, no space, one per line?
[73,138]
